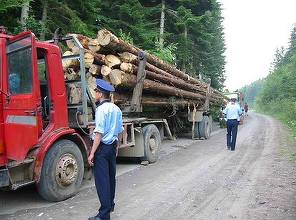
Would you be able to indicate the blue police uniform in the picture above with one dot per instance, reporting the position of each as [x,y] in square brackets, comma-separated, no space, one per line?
[109,124]
[233,112]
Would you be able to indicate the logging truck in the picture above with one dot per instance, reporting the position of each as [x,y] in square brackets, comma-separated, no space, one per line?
[46,122]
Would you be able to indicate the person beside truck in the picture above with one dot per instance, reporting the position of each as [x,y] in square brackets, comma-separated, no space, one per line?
[106,136]
[233,113]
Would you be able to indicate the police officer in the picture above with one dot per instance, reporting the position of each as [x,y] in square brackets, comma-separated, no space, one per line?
[233,113]
[105,147]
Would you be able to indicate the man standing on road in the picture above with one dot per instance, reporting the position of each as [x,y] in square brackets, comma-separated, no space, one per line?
[232,112]
[105,148]
[246,107]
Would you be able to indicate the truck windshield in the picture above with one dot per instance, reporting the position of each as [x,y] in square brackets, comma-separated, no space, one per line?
[19,56]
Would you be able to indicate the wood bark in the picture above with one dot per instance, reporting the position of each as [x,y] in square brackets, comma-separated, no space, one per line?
[128,80]
[175,82]
[156,101]
[118,45]
[43,19]
[83,40]
[25,13]
[162,19]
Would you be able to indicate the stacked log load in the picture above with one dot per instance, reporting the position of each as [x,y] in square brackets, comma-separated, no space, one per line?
[116,61]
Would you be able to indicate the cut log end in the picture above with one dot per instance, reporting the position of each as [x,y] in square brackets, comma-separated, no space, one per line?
[88,59]
[105,70]
[116,76]
[112,60]
[127,67]
[128,57]
[104,37]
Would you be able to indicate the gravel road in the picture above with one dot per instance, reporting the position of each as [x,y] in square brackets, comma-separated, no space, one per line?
[198,180]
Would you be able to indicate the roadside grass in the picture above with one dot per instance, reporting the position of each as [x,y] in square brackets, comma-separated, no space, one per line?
[288,150]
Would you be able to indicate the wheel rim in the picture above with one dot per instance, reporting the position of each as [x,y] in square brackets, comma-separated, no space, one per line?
[153,145]
[66,170]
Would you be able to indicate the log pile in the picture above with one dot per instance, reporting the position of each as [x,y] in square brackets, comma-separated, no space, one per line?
[116,61]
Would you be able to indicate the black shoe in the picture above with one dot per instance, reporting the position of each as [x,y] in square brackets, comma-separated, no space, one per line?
[94,218]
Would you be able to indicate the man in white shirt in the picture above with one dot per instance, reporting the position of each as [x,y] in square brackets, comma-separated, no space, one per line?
[233,113]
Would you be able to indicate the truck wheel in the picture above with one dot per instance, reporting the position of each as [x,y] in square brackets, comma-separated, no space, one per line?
[205,127]
[151,143]
[62,171]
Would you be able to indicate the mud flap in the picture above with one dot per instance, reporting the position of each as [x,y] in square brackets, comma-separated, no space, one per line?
[4,178]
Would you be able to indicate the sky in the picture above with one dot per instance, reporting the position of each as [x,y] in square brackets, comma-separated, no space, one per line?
[253,30]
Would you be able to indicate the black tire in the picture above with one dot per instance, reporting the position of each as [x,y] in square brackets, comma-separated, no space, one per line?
[64,159]
[152,143]
[204,127]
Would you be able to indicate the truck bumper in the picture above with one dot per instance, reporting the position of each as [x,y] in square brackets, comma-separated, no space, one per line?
[4,178]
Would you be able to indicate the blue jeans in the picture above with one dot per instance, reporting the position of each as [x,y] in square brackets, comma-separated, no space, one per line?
[105,172]
[232,125]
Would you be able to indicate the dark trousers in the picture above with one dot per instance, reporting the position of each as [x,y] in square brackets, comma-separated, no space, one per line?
[104,172]
[232,125]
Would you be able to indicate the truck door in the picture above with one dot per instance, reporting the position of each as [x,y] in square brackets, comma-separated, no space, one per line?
[22,108]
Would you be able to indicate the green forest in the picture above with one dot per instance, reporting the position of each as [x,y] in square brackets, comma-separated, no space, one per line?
[251,91]
[186,33]
[276,94]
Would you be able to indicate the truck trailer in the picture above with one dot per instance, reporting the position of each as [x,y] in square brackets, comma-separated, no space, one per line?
[45,140]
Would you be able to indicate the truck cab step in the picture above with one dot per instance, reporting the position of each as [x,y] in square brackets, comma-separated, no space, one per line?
[22,183]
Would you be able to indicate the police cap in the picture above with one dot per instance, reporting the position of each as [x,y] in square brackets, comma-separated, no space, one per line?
[104,86]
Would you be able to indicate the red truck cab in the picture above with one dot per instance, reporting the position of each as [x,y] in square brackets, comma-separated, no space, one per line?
[36,143]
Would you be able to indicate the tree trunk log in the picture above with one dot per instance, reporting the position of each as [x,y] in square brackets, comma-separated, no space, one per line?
[43,19]
[130,68]
[118,45]
[160,88]
[95,69]
[70,63]
[131,58]
[116,76]
[75,50]
[105,70]
[99,58]
[155,101]
[70,43]
[74,93]
[91,82]
[83,40]
[71,74]
[88,59]
[128,57]
[94,45]
[112,60]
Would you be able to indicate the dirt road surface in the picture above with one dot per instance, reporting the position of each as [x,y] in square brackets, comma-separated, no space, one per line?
[192,180]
